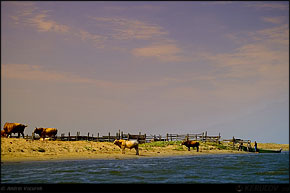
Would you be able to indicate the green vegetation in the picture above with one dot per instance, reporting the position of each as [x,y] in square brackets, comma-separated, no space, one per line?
[221,146]
[179,148]
[160,143]
[214,145]
[176,145]
[149,146]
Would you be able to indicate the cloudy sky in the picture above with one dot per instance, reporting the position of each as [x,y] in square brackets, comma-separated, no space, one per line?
[150,67]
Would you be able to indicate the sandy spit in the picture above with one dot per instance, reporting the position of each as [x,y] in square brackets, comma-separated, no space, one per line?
[18,150]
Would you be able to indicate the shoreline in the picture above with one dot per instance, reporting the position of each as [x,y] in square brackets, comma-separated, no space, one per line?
[21,150]
[113,157]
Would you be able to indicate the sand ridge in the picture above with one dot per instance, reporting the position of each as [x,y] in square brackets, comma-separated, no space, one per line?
[19,149]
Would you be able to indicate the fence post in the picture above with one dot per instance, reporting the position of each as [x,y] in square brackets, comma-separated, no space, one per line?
[234,140]
[205,136]
[139,136]
[128,136]
[122,135]
[166,136]
[33,135]
[88,136]
[187,137]
[170,137]
[109,137]
[196,137]
[219,138]
[119,134]
[145,138]
[92,137]
[68,136]
[98,137]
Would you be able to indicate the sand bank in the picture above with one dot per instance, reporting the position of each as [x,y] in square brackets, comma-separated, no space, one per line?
[16,150]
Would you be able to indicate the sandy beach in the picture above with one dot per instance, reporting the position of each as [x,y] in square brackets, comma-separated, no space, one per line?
[16,150]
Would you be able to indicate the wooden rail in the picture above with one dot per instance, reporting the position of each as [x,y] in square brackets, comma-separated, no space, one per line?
[142,138]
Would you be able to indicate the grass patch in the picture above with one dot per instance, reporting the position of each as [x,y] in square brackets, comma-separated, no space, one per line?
[213,145]
[178,148]
[160,143]
[221,146]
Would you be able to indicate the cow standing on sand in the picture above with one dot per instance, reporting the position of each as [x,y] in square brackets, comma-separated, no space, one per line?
[10,128]
[127,144]
[3,134]
[43,132]
[190,144]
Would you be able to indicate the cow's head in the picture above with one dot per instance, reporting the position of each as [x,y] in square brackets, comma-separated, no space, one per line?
[3,133]
[117,142]
[38,130]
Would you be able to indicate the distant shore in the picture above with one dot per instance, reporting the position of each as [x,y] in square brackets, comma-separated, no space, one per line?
[18,150]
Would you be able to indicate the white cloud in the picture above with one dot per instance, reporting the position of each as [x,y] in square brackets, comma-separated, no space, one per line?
[125,29]
[39,73]
[43,24]
[274,20]
[36,72]
[270,6]
[162,52]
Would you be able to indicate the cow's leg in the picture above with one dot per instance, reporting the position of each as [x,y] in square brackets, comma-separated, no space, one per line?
[123,150]
[18,135]
[137,150]
[189,148]
[197,148]
[22,135]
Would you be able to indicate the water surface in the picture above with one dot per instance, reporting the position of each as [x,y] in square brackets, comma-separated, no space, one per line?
[216,169]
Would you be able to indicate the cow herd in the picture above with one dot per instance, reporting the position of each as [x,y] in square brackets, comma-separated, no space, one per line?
[10,128]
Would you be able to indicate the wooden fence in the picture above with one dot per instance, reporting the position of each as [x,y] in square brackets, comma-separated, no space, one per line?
[142,138]
[236,141]
[90,137]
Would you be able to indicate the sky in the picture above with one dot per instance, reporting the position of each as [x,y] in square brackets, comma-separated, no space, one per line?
[147,66]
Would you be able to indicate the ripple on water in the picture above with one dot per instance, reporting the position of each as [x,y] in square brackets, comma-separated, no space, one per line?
[271,173]
[191,177]
[196,169]
[116,173]
[230,167]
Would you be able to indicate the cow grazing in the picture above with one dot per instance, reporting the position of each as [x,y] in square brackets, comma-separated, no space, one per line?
[43,132]
[10,128]
[190,144]
[127,144]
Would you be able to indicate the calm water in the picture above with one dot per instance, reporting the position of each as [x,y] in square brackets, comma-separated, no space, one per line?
[230,168]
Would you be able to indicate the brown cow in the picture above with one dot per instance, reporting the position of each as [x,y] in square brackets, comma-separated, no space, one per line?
[42,132]
[3,134]
[10,128]
[127,144]
[192,144]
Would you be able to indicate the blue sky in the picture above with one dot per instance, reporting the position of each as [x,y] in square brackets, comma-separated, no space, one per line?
[150,67]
